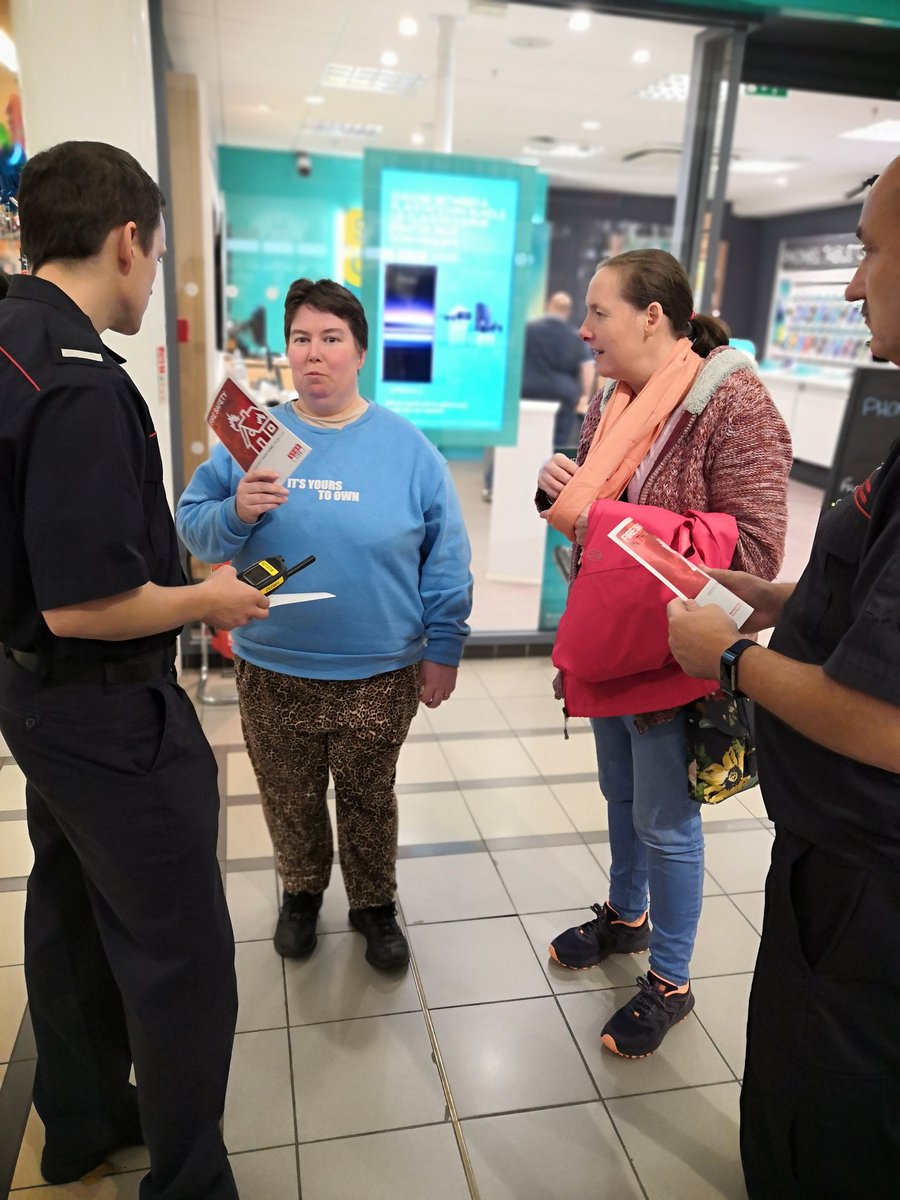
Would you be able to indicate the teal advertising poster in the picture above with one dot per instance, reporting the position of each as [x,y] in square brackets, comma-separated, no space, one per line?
[447,273]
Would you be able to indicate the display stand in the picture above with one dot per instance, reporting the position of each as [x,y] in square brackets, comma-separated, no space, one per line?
[516,537]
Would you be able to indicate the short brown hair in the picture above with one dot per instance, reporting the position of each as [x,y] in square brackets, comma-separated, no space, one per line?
[648,275]
[328,297]
[74,194]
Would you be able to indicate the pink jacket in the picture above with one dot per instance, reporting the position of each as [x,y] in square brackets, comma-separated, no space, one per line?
[612,643]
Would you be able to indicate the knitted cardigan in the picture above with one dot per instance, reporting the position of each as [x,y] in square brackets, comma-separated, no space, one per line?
[730,452]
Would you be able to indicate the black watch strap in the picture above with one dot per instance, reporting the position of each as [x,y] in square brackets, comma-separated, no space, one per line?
[728,665]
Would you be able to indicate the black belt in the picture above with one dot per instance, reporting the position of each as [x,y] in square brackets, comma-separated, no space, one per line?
[128,670]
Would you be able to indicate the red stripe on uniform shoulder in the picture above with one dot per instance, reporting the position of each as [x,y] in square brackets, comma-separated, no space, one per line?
[19,367]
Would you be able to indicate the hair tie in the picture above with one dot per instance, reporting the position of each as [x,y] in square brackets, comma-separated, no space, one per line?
[693,314]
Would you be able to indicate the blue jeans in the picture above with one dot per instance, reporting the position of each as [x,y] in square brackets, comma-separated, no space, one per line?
[655,835]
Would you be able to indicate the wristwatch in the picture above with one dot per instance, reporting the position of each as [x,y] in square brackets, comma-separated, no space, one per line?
[728,665]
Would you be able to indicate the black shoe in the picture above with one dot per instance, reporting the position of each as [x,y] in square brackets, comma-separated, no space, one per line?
[639,1027]
[386,946]
[295,933]
[587,945]
[62,1166]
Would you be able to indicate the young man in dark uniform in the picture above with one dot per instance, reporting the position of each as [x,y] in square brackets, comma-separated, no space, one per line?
[820,1103]
[128,946]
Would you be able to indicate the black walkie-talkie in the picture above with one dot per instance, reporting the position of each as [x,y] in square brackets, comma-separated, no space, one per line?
[269,573]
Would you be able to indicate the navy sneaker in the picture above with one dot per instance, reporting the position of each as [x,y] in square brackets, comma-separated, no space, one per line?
[639,1026]
[587,945]
[295,933]
[386,946]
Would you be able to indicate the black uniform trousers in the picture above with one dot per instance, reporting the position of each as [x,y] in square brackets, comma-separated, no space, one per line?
[820,1103]
[129,953]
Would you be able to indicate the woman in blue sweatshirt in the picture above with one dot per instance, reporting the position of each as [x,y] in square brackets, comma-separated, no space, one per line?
[333,685]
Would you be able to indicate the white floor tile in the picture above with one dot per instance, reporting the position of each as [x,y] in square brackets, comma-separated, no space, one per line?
[16,854]
[239,777]
[556,877]
[722,1009]
[363,1076]
[517,811]
[260,977]
[12,934]
[404,1164]
[253,903]
[585,804]
[452,887]
[267,1174]
[684,1147]
[423,762]
[258,1109]
[12,788]
[554,755]
[476,962]
[504,1057]
[467,716]
[12,1008]
[727,943]
[569,1153]
[488,758]
[739,862]
[429,818]
[247,835]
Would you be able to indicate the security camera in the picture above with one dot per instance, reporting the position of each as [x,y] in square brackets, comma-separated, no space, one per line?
[304,164]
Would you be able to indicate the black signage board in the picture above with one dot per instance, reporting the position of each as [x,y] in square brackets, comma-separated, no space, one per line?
[871,424]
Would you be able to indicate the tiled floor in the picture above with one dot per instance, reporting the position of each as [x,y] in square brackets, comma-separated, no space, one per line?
[479,1072]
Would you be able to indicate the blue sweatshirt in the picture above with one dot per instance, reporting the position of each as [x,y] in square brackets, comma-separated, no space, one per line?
[375,504]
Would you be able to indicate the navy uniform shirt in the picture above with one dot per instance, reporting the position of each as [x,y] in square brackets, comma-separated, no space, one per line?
[551,369]
[83,512]
[844,615]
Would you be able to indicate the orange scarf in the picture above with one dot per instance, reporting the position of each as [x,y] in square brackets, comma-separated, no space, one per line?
[629,426]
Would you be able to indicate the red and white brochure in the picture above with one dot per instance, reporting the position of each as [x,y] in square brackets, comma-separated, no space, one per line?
[254,438]
[676,572]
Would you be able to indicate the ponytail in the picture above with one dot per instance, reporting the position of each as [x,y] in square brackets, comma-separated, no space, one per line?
[706,333]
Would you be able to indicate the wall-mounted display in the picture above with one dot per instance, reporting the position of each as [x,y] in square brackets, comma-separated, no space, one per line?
[447,272]
[811,324]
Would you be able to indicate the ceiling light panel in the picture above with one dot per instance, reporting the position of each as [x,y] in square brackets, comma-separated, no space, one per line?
[342,129]
[881,131]
[370,79]
[672,88]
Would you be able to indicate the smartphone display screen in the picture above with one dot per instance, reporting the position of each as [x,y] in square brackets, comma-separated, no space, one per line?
[409,298]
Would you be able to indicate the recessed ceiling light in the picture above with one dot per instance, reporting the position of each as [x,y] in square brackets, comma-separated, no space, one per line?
[640,57]
[670,87]
[524,42]
[580,21]
[761,166]
[561,149]
[417,139]
[408,27]
[343,129]
[370,79]
[263,108]
[389,59]
[781,181]
[590,125]
[881,131]
[315,99]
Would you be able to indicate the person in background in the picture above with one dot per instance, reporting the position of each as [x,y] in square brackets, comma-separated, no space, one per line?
[685,423]
[129,954]
[820,1103]
[333,685]
[557,366]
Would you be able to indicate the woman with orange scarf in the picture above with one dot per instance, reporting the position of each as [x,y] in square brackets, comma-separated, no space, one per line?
[684,424]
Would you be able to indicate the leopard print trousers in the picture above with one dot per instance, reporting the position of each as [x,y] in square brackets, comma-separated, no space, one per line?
[296,731]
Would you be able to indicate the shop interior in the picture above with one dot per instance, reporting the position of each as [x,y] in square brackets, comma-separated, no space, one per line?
[266,119]
[595,103]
